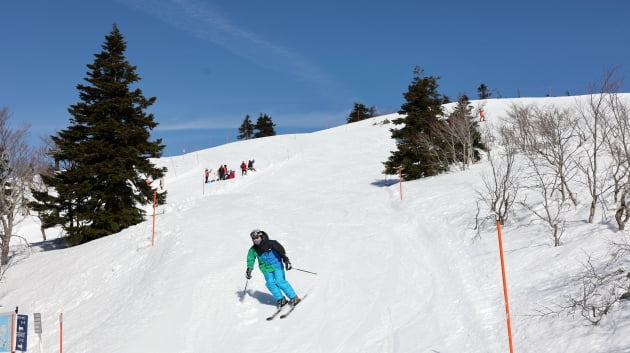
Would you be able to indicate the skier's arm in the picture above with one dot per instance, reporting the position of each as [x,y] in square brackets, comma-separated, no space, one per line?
[278,248]
[251,257]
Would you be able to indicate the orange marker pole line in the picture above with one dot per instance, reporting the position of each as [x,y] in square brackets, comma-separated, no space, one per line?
[12,332]
[60,332]
[505,291]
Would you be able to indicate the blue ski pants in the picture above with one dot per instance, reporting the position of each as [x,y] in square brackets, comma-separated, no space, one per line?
[277,284]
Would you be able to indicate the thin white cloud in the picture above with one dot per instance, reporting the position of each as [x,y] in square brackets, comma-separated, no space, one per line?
[209,24]
[297,120]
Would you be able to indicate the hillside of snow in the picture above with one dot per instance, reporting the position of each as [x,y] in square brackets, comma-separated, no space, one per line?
[392,275]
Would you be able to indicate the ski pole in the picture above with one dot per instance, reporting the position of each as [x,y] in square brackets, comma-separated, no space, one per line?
[304,271]
[244,291]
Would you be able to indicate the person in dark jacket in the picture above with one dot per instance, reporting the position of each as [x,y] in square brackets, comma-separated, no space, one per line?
[221,172]
[271,255]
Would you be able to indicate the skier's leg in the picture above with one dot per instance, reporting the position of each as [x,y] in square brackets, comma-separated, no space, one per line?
[270,282]
[283,284]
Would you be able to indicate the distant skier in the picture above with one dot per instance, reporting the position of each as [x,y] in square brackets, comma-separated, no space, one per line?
[271,255]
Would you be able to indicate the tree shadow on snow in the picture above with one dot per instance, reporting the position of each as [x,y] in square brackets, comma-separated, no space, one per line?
[48,245]
[262,297]
[385,182]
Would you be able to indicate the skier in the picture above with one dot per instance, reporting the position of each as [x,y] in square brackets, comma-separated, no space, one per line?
[271,255]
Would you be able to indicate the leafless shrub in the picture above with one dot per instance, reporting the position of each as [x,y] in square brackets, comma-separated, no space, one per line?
[617,142]
[596,125]
[18,164]
[549,138]
[599,290]
[500,186]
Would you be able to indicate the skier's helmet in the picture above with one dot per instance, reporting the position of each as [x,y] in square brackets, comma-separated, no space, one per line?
[257,236]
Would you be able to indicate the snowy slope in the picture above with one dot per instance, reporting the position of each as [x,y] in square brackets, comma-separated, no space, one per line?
[392,275]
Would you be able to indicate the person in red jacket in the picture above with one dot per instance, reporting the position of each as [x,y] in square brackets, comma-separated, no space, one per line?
[243,168]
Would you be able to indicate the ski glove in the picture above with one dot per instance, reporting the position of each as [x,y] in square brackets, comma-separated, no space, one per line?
[287,263]
[248,273]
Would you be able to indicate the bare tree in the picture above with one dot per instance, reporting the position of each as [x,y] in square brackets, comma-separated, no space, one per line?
[622,214]
[549,140]
[436,157]
[47,167]
[18,164]
[459,135]
[594,128]
[549,136]
[600,288]
[618,146]
[501,185]
[462,129]
[559,146]
[550,207]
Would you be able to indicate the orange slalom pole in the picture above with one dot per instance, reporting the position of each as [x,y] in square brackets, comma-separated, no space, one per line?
[12,331]
[153,229]
[505,291]
[60,332]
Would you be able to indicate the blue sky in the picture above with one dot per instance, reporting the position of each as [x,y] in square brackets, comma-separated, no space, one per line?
[209,63]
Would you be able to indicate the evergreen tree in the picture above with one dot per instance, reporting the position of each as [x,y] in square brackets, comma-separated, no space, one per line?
[246,130]
[104,154]
[484,92]
[419,152]
[264,126]
[360,112]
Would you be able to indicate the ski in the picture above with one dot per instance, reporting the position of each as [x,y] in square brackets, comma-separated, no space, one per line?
[283,316]
[274,314]
[278,311]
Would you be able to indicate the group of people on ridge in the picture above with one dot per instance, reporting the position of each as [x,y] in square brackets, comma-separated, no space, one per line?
[223,173]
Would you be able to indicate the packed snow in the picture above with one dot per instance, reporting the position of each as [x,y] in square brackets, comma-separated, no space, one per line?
[396,267]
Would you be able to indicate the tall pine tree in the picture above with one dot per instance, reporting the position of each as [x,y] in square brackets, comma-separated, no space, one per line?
[419,152]
[264,126]
[104,154]
[246,130]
